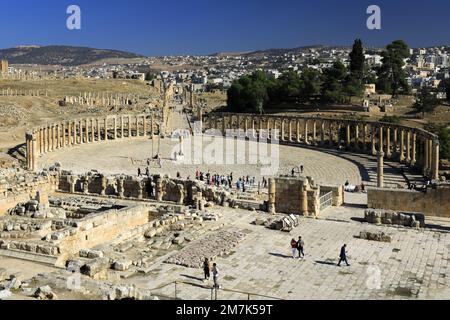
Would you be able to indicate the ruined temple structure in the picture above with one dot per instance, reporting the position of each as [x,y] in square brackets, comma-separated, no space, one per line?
[411,146]
[301,196]
[23,93]
[101,100]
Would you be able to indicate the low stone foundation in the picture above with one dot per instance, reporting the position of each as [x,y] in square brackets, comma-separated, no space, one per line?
[389,217]
[435,201]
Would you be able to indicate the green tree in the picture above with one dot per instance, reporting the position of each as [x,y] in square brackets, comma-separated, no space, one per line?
[149,76]
[357,60]
[311,84]
[249,93]
[290,86]
[447,88]
[443,132]
[390,119]
[426,101]
[333,83]
[391,75]
[354,80]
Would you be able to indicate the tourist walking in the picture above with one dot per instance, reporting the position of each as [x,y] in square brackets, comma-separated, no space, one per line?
[294,248]
[301,248]
[343,256]
[215,272]
[207,269]
[139,172]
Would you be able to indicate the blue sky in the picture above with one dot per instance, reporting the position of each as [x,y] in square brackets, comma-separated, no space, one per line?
[160,27]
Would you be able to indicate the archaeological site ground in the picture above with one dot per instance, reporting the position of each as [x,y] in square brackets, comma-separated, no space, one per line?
[286,174]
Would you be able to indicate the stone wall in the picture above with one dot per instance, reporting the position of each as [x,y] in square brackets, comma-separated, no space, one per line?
[103,227]
[338,193]
[25,191]
[434,202]
[296,196]
[179,191]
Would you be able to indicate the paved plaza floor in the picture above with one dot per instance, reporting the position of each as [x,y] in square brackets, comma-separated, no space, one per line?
[413,266]
[125,156]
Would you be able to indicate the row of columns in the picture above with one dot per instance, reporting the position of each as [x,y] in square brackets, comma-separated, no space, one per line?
[31,93]
[68,133]
[410,146]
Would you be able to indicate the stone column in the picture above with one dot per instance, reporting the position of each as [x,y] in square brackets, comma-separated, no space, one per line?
[104,185]
[272,200]
[137,127]
[120,188]
[41,141]
[159,190]
[330,137]
[413,150]
[121,127]
[28,151]
[339,135]
[224,127]
[275,129]
[144,120]
[260,134]
[435,162]
[75,133]
[99,135]
[69,133]
[304,201]
[380,169]
[306,132]
[395,140]
[430,157]
[381,142]
[426,157]
[52,137]
[290,130]
[408,147]
[106,129]
[92,130]
[86,130]
[357,137]
[402,146]
[299,135]
[374,150]
[364,137]
[388,142]
[348,137]
[34,142]
[322,133]
[130,134]
[82,134]
[283,129]
[314,133]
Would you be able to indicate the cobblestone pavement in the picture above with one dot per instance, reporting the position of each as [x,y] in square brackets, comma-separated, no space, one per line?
[413,266]
[117,157]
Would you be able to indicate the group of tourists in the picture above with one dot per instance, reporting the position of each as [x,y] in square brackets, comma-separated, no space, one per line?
[208,269]
[298,246]
[298,251]
[215,179]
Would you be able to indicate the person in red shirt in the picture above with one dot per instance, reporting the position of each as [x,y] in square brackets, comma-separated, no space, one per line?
[294,248]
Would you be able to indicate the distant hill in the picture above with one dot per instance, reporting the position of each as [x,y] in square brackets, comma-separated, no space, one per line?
[60,55]
[281,51]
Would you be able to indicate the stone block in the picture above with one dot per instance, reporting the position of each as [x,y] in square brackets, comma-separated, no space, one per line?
[95,266]
[122,265]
